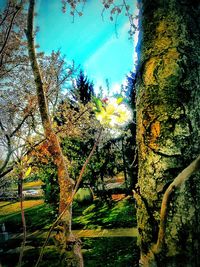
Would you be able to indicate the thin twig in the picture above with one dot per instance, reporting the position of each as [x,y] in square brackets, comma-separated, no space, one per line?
[33,146]
[86,163]
[135,158]
[6,15]
[9,148]
[8,137]
[80,115]
[19,125]
[9,30]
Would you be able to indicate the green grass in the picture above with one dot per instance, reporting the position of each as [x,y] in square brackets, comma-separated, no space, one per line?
[110,252]
[98,252]
[10,208]
[37,216]
[117,215]
[50,258]
[2,204]
[106,251]
[30,185]
[98,215]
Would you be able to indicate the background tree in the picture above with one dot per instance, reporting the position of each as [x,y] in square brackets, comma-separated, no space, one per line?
[83,88]
[76,127]
[13,61]
[168,132]
[20,123]
[12,46]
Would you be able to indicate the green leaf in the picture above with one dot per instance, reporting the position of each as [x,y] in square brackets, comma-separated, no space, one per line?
[97,103]
[27,173]
[119,100]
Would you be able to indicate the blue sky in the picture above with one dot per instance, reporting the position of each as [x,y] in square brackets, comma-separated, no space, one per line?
[89,41]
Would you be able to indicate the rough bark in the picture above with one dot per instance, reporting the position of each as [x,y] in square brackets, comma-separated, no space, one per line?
[70,247]
[168,122]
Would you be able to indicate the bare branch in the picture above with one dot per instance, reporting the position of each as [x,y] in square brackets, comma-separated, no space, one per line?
[9,29]
[8,138]
[19,125]
[177,182]
[6,15]
[6,171]
[9,150]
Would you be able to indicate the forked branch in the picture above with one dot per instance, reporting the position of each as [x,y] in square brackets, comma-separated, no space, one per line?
[178,181]
[148,259]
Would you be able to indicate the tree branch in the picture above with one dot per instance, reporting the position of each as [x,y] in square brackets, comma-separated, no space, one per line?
[9,151]
[9,29]
[37,76]
[178,181]
[6,15]
[6,171]
[2,174]
[19,125]
[8,137]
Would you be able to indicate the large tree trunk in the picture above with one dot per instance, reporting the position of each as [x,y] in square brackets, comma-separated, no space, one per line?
[69,245]
[168,136]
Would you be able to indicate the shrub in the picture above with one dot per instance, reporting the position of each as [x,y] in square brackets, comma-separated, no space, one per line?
[84,196]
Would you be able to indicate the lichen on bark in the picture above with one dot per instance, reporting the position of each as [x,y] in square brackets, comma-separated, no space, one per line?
[168,123]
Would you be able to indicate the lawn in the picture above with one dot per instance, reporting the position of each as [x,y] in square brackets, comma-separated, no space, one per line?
[104,251]
[8,208]
[120,214]
[2,204]
[38,215]
[30,185]
[97,215]
[98,252]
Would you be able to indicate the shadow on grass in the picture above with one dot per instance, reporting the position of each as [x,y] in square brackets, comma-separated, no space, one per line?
[110,252]
[98,252]
[37,217]
[104,251]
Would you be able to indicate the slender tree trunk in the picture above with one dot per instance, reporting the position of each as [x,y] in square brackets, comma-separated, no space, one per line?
[70,247]
[20,192]
[168,136]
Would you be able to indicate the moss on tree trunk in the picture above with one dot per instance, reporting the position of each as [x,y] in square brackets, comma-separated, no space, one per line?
[168,123]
